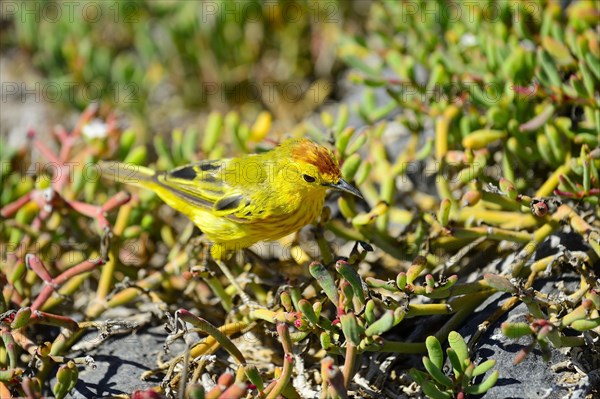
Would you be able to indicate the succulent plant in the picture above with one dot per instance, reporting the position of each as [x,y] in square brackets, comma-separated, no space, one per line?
[438,385]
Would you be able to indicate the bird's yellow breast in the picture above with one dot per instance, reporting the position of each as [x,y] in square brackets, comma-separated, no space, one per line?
[232,234]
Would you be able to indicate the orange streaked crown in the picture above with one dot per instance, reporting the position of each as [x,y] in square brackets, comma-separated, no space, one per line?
[307,151]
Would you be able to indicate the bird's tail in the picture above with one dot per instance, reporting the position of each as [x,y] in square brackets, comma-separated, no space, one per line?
[126,173]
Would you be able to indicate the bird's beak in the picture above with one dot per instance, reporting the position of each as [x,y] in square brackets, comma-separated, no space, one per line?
[343,185]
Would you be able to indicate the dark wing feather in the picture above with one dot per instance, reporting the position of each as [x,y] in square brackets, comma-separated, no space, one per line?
[204,185]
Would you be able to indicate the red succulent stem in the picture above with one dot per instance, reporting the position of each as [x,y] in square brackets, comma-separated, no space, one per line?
[84,208]
[83,267]
[40,317]
[61,133]
[34,263]
[65,149]
[117,200]
[46,152]
[564,193]
[43,296]
[10,209]
[51,284]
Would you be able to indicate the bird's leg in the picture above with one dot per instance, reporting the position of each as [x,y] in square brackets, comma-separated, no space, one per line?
[199,247]
[245,298]
[218,254]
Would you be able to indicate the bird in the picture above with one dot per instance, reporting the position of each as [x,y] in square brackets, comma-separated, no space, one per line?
[237,202]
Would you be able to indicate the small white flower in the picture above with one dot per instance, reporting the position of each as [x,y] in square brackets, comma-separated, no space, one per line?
[95,129]
[468,40]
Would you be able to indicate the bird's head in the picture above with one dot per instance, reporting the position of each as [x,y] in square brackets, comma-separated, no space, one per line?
[314,167]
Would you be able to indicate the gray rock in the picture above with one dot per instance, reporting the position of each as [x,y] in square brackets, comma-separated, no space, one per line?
[534,377]
[25,103]
[120,363]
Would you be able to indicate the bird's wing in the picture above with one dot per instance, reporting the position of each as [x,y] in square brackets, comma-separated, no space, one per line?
[207,185]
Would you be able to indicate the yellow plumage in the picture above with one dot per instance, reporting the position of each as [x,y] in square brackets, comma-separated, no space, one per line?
[239,201]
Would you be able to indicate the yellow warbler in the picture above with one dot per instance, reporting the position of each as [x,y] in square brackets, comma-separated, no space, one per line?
[239,201]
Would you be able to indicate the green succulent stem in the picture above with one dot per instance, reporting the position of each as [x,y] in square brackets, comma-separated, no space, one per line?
[217,288]
[538,236]
[108,271]
[492,233]
[402,347]
[349,363]
[415,310]
[552,182]
[464,307]
[288,362]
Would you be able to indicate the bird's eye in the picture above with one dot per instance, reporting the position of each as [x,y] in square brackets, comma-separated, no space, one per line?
[308,178]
